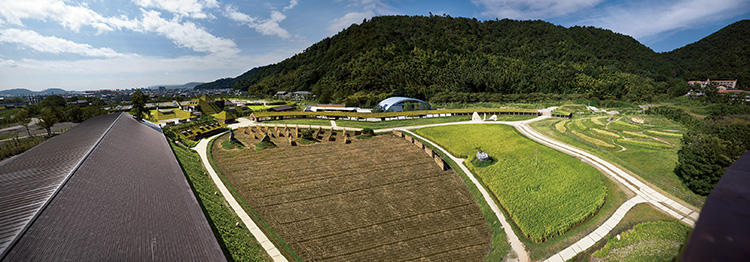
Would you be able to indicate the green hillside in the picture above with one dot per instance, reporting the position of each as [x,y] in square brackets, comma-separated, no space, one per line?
[439,58]
[721,55]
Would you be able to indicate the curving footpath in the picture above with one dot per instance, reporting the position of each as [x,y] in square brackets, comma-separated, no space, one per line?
[644,193]
[273,252]
[515,244]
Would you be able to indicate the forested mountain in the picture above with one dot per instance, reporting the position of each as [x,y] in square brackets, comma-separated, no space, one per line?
[724,54]
[440,58]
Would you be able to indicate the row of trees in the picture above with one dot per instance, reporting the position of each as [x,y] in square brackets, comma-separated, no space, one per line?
[711,144]
[54,109]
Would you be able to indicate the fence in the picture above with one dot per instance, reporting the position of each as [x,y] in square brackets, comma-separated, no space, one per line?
[438,160]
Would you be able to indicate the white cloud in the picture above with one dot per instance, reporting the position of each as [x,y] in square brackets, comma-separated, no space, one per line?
[187,34]
[69,16]
[269,26]
[183,34]
[532,9]
[189,8]
[348,19]
[648,20]
[51,44]
[291,5]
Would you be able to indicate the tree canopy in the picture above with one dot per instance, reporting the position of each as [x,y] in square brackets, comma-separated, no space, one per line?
[424,56]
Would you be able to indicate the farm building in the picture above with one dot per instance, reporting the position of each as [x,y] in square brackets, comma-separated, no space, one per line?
[400,104]
[224,117]
[163,116]
[109,189]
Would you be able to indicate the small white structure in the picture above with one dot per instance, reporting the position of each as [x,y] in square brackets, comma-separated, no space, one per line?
[493,118]
[475,117]
[482,156]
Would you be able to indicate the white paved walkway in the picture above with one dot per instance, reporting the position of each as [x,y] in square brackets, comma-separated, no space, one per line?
[270,248]
[644,193]
[600,232]
[515,244]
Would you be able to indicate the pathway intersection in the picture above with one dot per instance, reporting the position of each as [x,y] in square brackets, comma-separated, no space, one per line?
[643,192]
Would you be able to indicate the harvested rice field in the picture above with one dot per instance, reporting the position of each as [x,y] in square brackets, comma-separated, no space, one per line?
[375,199]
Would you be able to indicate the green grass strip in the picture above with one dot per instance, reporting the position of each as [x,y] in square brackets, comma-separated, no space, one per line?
[649,241]
[623,125]
[604,132]
[643,143]
[636,134]
[236,241]
[660,133]
[598,120]
[560,126]
[592,140]
[579,123]
[395,114]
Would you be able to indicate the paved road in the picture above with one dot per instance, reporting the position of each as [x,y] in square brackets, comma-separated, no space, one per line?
[270,248]
[515,244]
[644,193]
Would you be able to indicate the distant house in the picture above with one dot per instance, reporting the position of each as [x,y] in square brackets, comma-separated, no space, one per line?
[282,108]
[170,116]
[721,84]
[300,95]
[400,104]
[281,94]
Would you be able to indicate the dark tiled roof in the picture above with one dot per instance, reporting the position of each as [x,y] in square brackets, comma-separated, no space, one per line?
[29,180]
[128,201]
[282,108]
[722,232]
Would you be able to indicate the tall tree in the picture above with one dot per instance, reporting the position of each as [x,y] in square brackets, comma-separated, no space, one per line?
[49,117]
[139,104]
[23,118]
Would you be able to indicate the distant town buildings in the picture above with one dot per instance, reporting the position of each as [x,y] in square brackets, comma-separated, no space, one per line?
[720,84]
[296,95]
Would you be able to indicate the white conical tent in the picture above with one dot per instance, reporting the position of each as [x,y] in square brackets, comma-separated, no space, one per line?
[475,117]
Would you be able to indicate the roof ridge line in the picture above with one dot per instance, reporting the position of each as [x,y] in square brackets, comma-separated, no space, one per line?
[59,187]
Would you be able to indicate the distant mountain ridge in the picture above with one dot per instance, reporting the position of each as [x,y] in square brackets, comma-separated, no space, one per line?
[26,92]
[183,86]
[437,56]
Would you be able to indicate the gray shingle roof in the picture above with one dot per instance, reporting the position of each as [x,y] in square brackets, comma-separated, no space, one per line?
[127,201]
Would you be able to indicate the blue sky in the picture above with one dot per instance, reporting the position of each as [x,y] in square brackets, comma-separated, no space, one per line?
[111,44]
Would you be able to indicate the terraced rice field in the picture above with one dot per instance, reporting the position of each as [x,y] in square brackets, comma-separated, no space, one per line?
[545,192]
[376,199]
[647,149]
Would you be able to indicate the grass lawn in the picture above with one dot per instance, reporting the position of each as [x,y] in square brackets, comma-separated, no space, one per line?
[638,150]
[236,241]
[649,241]
[545,192]
[641,213]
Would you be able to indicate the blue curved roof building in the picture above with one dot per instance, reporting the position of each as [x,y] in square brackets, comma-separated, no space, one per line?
[396,104]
